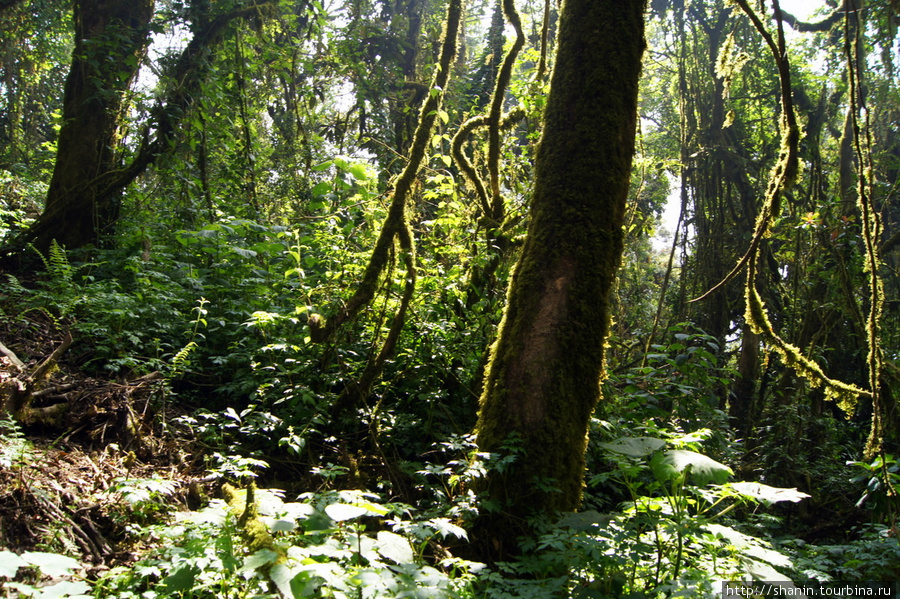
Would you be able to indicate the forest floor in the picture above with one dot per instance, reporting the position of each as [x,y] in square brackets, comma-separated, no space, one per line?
[62,484]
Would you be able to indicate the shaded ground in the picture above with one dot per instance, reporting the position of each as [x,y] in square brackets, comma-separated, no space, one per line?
[62,485]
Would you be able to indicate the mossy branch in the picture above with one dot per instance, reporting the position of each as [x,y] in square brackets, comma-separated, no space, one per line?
[457,151]
[496,111]
[780,179]
[871,233]
[844,394]
[396,221]
[357,391]
[490,200]
[545,43]
[255,533]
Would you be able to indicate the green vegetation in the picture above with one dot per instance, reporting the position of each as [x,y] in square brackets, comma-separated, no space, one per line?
[305,310]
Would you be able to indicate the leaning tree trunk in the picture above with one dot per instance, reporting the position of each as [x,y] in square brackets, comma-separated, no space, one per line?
[543,379]
[110,39]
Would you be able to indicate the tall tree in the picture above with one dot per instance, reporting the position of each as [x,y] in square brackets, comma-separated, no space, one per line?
[83,201]
[543,380]
[110,40]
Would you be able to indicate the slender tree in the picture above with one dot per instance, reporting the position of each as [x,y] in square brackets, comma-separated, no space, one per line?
[543,380]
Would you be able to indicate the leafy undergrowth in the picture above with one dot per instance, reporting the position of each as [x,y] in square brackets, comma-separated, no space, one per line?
[126,495]
[118,499]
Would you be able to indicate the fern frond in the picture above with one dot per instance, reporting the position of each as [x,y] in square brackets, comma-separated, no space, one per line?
[183,354]
[58,267]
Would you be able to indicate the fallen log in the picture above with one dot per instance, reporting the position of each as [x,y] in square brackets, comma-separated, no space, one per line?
[18,392]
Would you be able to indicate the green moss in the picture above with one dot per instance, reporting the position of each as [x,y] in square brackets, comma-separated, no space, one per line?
[543,377]
[845,395]
[243,505]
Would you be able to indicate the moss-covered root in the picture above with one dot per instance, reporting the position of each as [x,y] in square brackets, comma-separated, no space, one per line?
[244,507]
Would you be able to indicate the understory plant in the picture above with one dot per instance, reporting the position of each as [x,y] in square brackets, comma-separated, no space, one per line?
[675,536]
[253,543]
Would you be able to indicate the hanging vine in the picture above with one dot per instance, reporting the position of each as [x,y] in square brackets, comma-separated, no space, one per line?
[395,228]
[871,225]
[782,178]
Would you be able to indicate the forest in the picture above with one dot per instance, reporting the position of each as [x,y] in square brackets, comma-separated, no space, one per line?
[449,299]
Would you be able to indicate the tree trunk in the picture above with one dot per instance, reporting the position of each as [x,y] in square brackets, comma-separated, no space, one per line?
[543,380]
[110,39]
[743,404]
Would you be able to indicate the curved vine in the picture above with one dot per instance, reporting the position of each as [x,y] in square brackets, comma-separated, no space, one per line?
[395,228]
[782,178]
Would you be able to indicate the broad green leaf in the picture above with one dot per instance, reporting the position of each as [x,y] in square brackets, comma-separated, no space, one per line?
[321,188]
[766,494]
[444,527]
[10,564]
[181,579]
[215,513]
[697,436]
[635,447]
[281,575]
[344,511]
[394,547]
[51,564]
[584,521]
[297,511]
[280,524]
[750,547]
[317,521]
[65,589]
[702,469]
[359,171]
[261,558]
[374,509]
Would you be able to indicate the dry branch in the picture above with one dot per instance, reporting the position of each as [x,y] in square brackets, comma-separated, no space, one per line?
[17,393]
[12,357]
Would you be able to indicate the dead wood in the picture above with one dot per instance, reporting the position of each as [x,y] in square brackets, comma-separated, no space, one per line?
[12,358]
[17,393]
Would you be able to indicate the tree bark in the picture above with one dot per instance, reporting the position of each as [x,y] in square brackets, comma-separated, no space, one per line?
[110,40]
[543,379]
[83,200]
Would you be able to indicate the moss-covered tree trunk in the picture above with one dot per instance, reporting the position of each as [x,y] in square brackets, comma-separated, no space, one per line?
[110,39]
[543,379]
